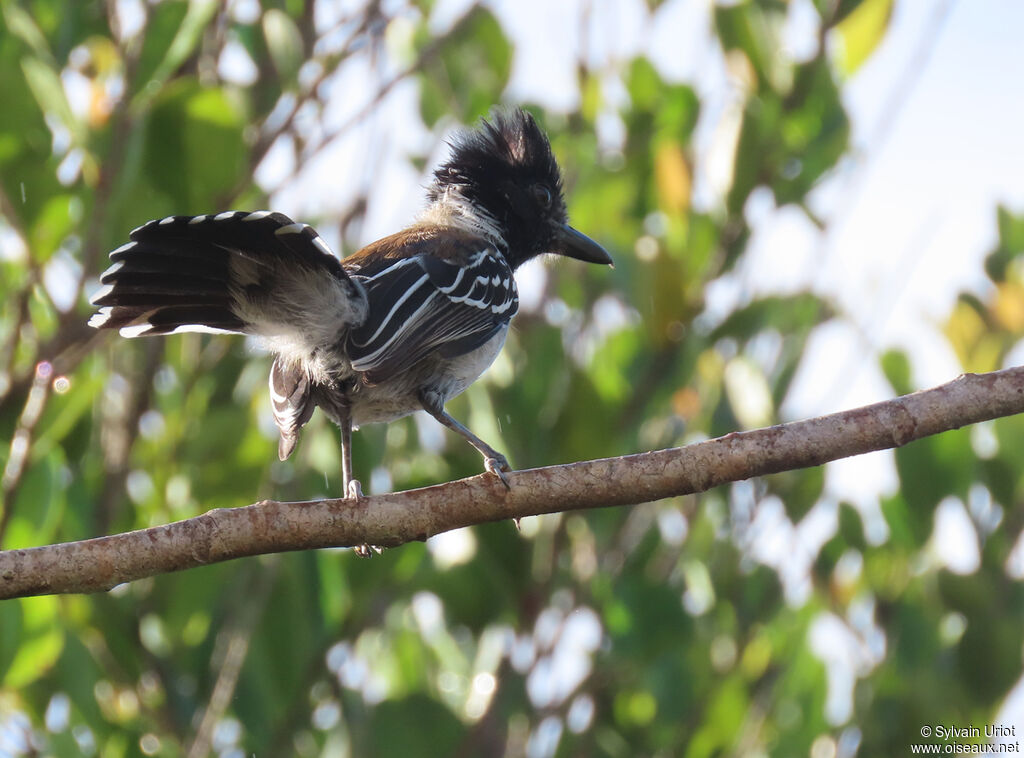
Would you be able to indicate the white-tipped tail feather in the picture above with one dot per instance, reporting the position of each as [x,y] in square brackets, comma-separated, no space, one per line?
[234,272]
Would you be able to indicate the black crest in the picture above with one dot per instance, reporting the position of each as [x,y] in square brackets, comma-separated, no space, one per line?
[506,169]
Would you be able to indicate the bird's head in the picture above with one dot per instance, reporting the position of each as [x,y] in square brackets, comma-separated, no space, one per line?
[504,177]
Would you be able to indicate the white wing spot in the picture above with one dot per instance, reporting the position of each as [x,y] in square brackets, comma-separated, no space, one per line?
[257,215]
[97,320]
[291,229]
[141,330]
[319,242]
[127,246]
[114,268]
[201,328]
[166,220]
[136,330]
[101,293]
[224,216]
[198,219]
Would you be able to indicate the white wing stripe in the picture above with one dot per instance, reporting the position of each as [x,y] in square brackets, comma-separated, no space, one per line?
[390,269]
[398,304]
[461,303]
[451,288]
[413,318]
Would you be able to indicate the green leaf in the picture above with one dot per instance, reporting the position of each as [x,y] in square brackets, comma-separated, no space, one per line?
[851,527]
[896,367]
[164,21]
[748,27]
[932,469]
[188,28]
[284,41]
[906,530]
[195,149]
[861,32]
[58,217]
[837,11]
[786,314]
[400,728]
[21,24]
[1010,246]
[472,65]
[39,503]
[44,81]
[38,641]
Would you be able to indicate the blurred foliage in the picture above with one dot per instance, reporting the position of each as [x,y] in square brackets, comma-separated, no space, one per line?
[656,630]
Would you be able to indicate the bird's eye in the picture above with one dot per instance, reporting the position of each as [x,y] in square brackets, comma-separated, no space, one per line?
[542,194]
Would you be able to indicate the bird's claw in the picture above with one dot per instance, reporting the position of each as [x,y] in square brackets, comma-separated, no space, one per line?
[354,490]
[498,465]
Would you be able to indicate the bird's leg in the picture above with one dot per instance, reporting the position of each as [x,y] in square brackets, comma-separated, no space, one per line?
[494,461]
[350,486]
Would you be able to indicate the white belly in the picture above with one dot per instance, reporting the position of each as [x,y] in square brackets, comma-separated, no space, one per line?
[466,369]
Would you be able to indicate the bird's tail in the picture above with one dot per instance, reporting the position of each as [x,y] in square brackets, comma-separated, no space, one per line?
[253,273]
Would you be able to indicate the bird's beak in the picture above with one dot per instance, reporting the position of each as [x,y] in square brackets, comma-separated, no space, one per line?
[574,244]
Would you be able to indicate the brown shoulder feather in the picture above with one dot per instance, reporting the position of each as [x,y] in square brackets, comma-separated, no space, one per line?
[446,243]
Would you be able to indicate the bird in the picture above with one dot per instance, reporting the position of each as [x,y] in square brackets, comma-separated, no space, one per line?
[404,324]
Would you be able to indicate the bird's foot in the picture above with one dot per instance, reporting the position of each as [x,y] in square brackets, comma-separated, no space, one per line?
[497,464]
[354,490]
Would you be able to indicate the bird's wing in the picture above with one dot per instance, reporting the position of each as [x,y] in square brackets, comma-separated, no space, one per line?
[255,273]
[424,303]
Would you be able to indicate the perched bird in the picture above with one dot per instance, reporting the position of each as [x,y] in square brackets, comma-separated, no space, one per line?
[406,323]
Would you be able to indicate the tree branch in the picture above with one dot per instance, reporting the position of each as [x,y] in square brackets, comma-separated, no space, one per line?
[391,520]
